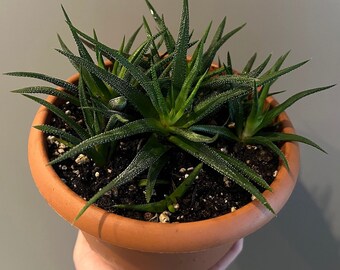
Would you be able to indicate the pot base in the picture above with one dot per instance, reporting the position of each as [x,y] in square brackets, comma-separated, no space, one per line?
[125,259]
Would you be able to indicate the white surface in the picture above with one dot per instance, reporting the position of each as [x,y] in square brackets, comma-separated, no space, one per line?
[306,235]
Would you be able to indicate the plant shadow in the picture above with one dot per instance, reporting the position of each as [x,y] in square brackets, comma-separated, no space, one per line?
[300,238]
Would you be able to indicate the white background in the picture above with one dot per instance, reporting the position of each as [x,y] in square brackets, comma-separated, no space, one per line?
[306,234]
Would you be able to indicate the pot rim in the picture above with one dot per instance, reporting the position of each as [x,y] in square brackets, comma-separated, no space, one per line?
[157,237]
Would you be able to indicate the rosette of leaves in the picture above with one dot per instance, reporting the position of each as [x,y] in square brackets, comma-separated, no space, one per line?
[161,96]
[252,120]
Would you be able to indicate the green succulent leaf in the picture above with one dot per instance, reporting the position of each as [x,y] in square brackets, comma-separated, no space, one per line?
[129,129]
[265,141]
[274,112]
[81,48]
[137,99]
[273,76]
[48,91]
[142,79]
[179,68]
[96,86]
[229,81]
[154,49]
[189,101]
[58,112]
[215,130]
[168,38]
[159,100]
[51,130]
[99,56]
[58,82]
[221,163]
[153,173]
[286,137]
[85,107]
[193,136]
[190,78]
[209,55]
[147,156]
[249,64]
[131,40]
[218,34]
[169,201]
[257,71]
[209,105]
[66,49]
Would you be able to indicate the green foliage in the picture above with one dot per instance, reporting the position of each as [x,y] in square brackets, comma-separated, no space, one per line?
[252,119]
[157,93]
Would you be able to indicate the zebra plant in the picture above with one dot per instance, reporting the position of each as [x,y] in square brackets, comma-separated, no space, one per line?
[163,97]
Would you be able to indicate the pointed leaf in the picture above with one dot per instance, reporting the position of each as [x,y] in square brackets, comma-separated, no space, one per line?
[286,137]
[273,76]
[192,136]
[274,112]
[68,120]
[51,130]
[209,105]
[219,163]
[160,206]
[153,173]
[211,52]
[81,48]
[257,71]
[215,130]
[168,39]
[48,91]
[137,99]
[249,64]
[180,58]
[58,82]
[147,156]
[129,129]
[269,144]
[131,40]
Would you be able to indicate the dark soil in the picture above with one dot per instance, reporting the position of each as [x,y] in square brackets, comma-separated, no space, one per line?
[211,195]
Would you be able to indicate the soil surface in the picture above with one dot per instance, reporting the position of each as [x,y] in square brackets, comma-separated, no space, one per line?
[211,195]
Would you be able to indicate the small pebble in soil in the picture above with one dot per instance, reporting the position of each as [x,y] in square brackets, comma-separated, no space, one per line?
[62,146]
[223,150]
[233,209]
[226,181]
[231,125]
[51,139]
[182,170]
[82,159]
[253,197]
[164,217]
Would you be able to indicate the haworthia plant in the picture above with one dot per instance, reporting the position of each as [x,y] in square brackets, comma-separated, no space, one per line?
[157,93]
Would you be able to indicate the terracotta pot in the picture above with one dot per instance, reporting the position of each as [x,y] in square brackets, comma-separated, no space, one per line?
[133,244]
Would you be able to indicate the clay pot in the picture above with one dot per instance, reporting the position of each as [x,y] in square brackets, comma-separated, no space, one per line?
[133,244]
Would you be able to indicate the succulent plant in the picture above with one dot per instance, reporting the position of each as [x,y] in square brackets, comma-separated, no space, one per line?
[158,92]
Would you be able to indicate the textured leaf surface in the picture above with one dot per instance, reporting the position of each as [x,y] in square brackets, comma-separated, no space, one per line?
[147,156]
[220,163]
[130,129]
